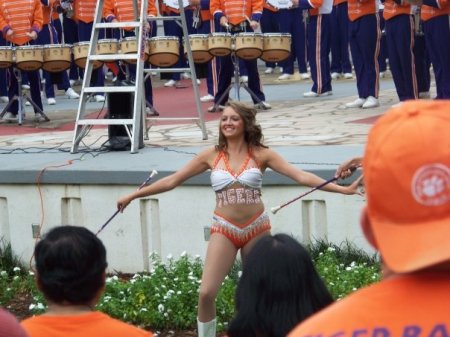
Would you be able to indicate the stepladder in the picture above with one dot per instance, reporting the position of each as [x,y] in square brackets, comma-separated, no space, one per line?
[133,125]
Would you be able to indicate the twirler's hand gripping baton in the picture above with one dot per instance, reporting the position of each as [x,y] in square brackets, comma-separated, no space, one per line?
[149,178]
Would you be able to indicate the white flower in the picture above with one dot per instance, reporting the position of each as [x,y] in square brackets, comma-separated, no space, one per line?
[331,249]
[348,268]
[239,273]
[3,273]
[178,292]
[169,257]
[160,308]
[144,309]
[183,253]
[40,306]
[16,269]
[166,314]
[31,307]
[30,273]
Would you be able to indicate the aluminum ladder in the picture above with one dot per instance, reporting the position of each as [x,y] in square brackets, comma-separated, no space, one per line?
[200,120]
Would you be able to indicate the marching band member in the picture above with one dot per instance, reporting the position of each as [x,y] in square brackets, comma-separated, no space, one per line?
[269,24]
[172,28]
[319,36]
[20,23]
[207,26]
[383,54]
[399,28]
[117,11]
[236,17]
[436,16]
[364,32]
[70,29]
[84,12]
[421,58]
[48,35]
[340,55]
[291,21]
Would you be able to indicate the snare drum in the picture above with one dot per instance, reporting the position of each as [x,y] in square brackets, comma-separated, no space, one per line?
[199,48]
[249,46]
[106,47]
[29,58]
[219,44]
[277,47]
[129,45]
[57,57]
[80,53]
[6,57]
[164,51]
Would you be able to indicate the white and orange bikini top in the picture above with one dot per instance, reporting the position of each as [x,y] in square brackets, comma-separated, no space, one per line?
[222,176]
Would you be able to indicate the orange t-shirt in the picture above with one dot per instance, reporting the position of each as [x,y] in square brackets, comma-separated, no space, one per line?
[92,324]
[414,305]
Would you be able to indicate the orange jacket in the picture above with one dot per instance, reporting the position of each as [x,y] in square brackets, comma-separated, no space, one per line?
[84,10]
[49,10]
[360,8]
[21,17]
[122,10]
[237,11]
[433,8]
[392,9]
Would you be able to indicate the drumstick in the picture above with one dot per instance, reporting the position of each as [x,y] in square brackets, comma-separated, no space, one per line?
[152,174]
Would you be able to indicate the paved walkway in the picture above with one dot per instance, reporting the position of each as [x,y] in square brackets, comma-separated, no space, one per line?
[291,122]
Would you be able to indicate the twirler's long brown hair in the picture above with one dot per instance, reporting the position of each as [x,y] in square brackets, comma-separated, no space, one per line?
[252,131]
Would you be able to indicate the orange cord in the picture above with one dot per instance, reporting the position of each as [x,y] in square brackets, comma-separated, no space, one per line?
[38,185]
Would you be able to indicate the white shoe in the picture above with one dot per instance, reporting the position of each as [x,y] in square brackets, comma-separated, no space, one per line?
[371,102]
[38,118]
[99,98]
[51,101]
[315,94]
[335,75]
[207,98]
[284,77]
[27,103]
[305,76]
[357,103]
[170,83]
[348,76]
[4,99]
[244,79]
[9,116]
[263,105]
[280,70]
[72,82]
[185,76]
[72,94]
[198,82]
[382,74]
[396,105]
[268,71]
[25,87]
[423,95]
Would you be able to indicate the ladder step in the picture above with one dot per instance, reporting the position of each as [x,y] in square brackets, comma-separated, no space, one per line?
[172,118]
[117,24]
[105,122]
[167,70]
[113,57]
[164,18]
[130,88]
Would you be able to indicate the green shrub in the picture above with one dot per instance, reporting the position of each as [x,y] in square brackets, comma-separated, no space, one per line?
[166,297]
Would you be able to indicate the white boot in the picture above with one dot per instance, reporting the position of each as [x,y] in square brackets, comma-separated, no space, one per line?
[207,329]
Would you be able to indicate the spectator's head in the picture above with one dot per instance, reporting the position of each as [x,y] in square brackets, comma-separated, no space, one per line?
[70,265]
[252,130]
[279,288]
[407,180]
[9,326]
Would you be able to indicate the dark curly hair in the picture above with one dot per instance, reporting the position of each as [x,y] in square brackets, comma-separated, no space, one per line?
[70,263]
[252,131]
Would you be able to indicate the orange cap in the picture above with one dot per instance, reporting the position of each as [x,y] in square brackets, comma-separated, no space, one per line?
[407,181]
